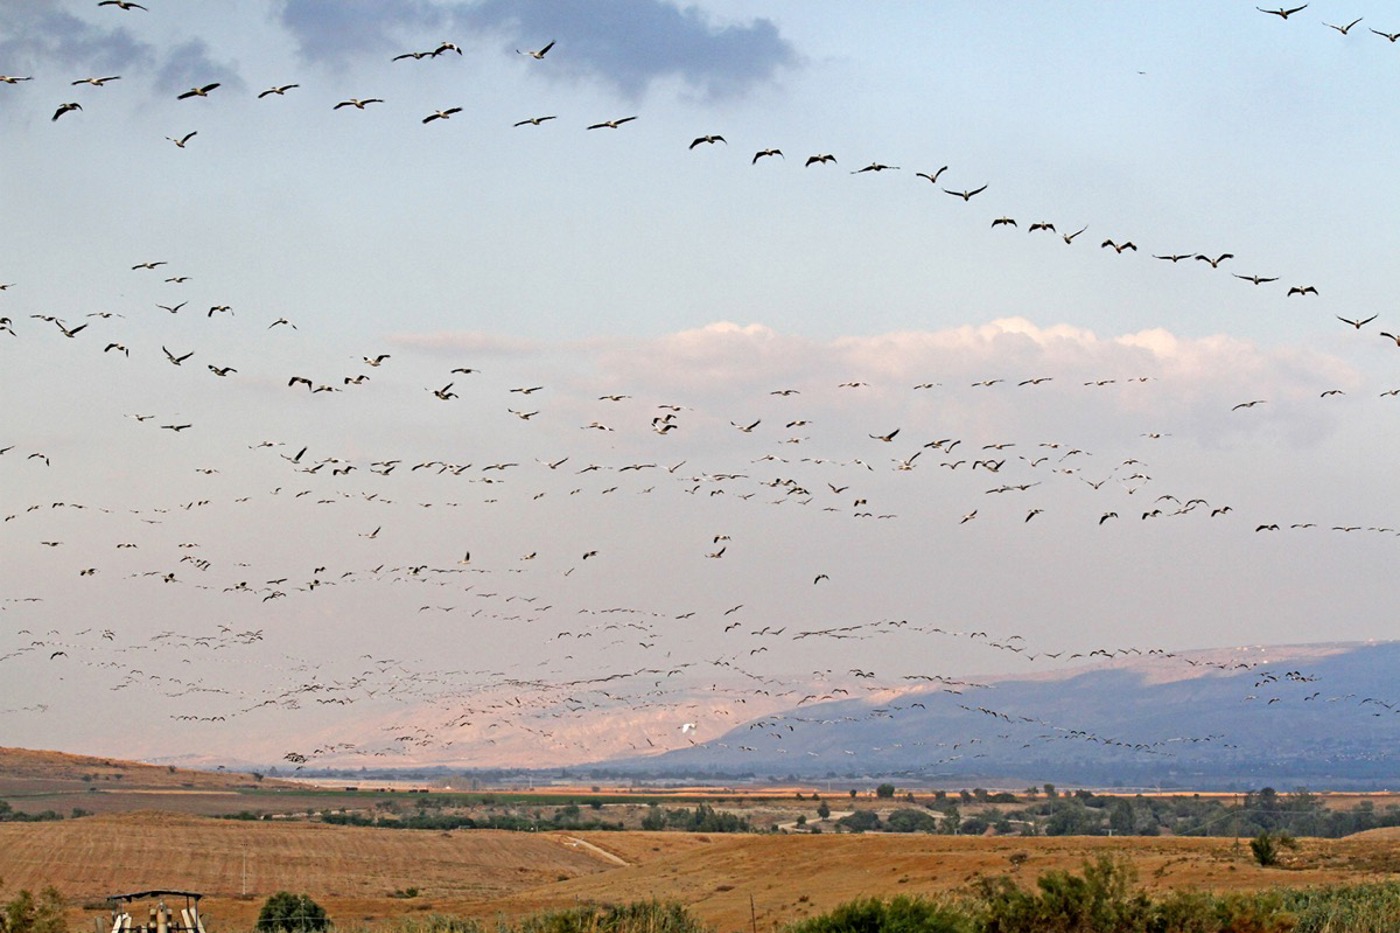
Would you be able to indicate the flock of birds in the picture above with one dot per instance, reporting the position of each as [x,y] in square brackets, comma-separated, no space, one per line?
[674,677]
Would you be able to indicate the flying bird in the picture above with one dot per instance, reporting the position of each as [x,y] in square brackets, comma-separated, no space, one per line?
[1282,13]
[766,152]
[1215,263]
[533,121]
[711,139]
[177,360]
[442,114]
[122,4]
[65,108]
[1255,279]
[1344,29]
[966,195]
[183,139]
[611,124]
[1357,324]
[197,91]
[822,157]
[537,54]
[875,167]
[1392,36]
[279,90]
[1301,290]
[97,82]
[931,176]
[358,103]
[1119,247]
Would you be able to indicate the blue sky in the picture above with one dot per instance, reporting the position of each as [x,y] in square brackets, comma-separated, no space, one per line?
[625,262]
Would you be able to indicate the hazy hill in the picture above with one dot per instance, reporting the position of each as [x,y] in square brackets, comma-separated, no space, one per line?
[1319,715]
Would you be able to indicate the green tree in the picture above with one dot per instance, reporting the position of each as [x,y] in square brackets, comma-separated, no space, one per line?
[823,810]
[1265,849]
[25,913]
[885,791]
[292,913]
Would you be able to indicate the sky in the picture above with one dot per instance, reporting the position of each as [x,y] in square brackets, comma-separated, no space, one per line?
[273,490]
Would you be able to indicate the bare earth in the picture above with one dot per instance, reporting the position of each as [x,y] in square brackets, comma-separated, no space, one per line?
[353,872]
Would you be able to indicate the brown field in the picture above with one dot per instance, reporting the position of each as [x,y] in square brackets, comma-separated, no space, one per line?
[354,872]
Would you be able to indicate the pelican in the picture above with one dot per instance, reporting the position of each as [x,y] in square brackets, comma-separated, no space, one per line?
[931,176]
[15,79]
[1255,279]
[966,195]
[537,54]
[611,124]
[183,139]
[1282,13]
[1118,248]
[822,157]
[1357,324]
[533,121]
[357,103]
[65,108]
[1344,29]
[198,91]
[97,82]
[707,139]
[767,152]
[122,4]
[278,90]
[875,167]
[441,114]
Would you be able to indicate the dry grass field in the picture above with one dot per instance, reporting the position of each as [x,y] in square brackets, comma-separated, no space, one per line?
[360,874]
[355,872]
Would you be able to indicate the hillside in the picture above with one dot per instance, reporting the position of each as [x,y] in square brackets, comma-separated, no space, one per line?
[1317,715]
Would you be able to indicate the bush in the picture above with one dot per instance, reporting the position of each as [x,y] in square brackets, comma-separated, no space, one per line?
[292,913]
[637,917]
[860,821]
[1265,849]
[25,913]
[885,791]
[900,915]
[1102,899]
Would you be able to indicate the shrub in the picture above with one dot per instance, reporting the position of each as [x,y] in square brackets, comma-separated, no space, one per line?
[899,915]
[637,917]
[292,913]
[25,913]
[1265,849]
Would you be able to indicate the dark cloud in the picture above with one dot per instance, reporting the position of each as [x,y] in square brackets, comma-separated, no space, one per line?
[188,65]
[35,36]
[625,43]
[630,43]
[329,32]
